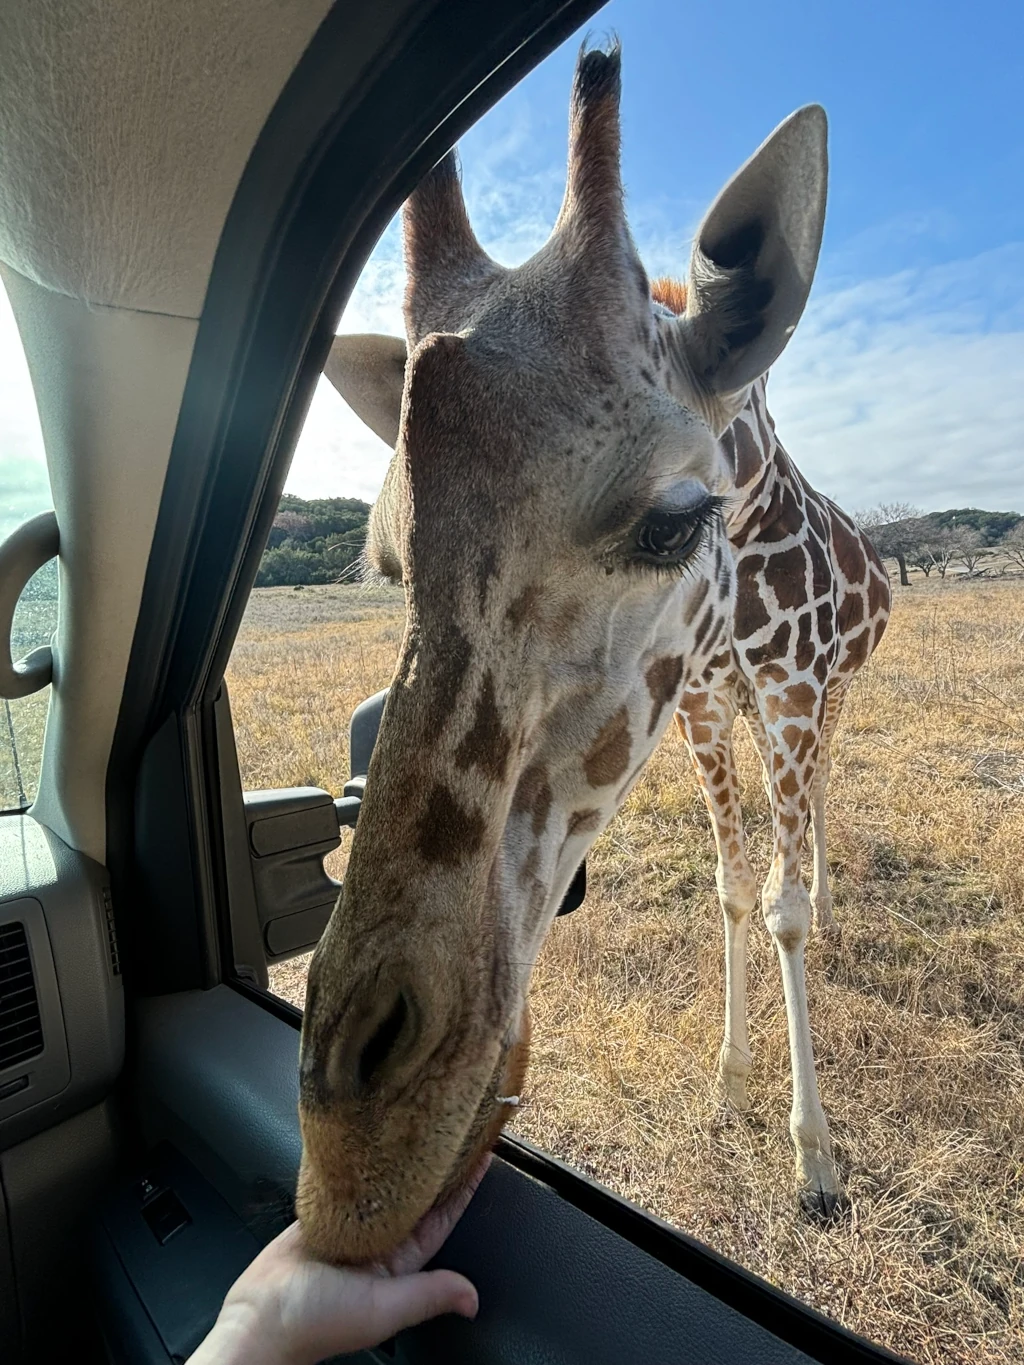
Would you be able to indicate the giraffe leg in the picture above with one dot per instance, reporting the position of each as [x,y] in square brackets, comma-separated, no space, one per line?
[787,912]
[825,921]
[706,724]
[821,897]
[759,738]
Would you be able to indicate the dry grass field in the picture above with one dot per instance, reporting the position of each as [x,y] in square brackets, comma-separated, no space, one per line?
[22,721]
[917,1010]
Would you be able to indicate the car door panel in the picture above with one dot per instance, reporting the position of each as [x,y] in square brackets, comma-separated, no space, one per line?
[219,1080]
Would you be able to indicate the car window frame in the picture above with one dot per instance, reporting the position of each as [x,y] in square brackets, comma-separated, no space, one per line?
[305,218]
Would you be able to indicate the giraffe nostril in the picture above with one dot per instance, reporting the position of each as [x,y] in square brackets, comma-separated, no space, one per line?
[380,1046]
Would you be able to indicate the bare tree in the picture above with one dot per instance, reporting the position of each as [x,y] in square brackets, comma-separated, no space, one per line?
[1013,544]
[894,530]
[943,549]
[293,524]
[921,557]
[969,548]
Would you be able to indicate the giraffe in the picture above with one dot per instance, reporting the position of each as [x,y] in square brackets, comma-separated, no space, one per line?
[812,602]
[556,510]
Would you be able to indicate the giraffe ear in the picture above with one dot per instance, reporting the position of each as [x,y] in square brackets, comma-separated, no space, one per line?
[369,373]
[754,257]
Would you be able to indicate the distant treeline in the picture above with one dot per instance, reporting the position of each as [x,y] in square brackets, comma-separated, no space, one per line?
[966,537]
[320,541]
[992,527]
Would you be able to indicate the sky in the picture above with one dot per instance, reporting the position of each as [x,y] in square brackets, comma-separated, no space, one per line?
[905,378]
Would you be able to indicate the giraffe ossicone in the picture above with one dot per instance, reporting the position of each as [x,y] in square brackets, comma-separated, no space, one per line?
[565,508]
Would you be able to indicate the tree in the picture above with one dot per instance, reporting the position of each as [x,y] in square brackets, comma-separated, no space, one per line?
[289,525]
[1013,544]
[943,547]
[893,528]
[316,541]
[970,548]
[922,557]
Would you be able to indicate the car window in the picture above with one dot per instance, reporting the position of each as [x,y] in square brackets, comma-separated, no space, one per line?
[24,492]
[899,400]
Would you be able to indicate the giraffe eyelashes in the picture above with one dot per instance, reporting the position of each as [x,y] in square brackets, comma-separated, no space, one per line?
[670,539]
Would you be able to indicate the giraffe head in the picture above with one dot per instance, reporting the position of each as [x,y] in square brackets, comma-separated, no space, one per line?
[552,511]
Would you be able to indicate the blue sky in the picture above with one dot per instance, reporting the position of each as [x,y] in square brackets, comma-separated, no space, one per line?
[905,380]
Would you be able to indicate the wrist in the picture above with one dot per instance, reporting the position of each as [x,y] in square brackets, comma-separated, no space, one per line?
[239,1338]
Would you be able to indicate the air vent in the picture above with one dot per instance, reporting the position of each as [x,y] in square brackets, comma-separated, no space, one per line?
[21,1032]
[108,910]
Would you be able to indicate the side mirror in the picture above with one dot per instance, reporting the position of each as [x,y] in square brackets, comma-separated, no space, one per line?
[362,736]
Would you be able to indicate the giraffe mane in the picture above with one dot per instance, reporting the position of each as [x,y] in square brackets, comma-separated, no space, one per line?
[670,293]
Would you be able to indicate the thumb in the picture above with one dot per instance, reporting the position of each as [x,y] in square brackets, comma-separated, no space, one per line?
[409,1299]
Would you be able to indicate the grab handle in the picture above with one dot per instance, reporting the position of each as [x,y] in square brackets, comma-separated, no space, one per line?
[23,552]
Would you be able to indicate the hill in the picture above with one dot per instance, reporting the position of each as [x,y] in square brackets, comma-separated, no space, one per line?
[993,527]
[316,541]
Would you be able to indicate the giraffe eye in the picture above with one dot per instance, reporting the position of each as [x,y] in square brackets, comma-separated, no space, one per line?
[671,535]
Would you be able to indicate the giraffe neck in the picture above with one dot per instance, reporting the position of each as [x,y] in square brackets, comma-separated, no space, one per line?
[761,468]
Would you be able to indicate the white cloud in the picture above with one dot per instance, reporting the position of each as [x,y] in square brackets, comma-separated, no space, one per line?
[910,388]
[905,388]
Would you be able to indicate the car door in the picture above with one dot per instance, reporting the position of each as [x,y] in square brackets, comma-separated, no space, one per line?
[164,1151]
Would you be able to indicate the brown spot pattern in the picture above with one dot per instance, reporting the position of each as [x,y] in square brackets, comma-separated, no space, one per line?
[664,679]
[788,784]
[487,745]
[801,697]
[783,517]
[772,649]
[749,456]
[878,595]
[449,832]
[582,822]
[804,645]
[533,795]
[703,626]
[751,615]
[445,667]
[849,554]
[523,611]
[856,651]
[608,756]
[786,574]
[851,612]
[772,673]
[805,746]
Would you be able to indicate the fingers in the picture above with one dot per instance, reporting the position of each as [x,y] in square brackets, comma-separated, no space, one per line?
[354,1310]
[409,1299]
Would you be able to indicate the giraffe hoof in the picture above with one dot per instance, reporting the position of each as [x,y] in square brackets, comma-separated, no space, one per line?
[822,1206]
[734,1092]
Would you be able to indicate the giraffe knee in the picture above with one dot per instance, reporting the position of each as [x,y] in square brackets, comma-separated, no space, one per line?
[737,892]
[787,915]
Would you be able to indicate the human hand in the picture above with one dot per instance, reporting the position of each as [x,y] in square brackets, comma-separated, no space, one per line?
[288,1309]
